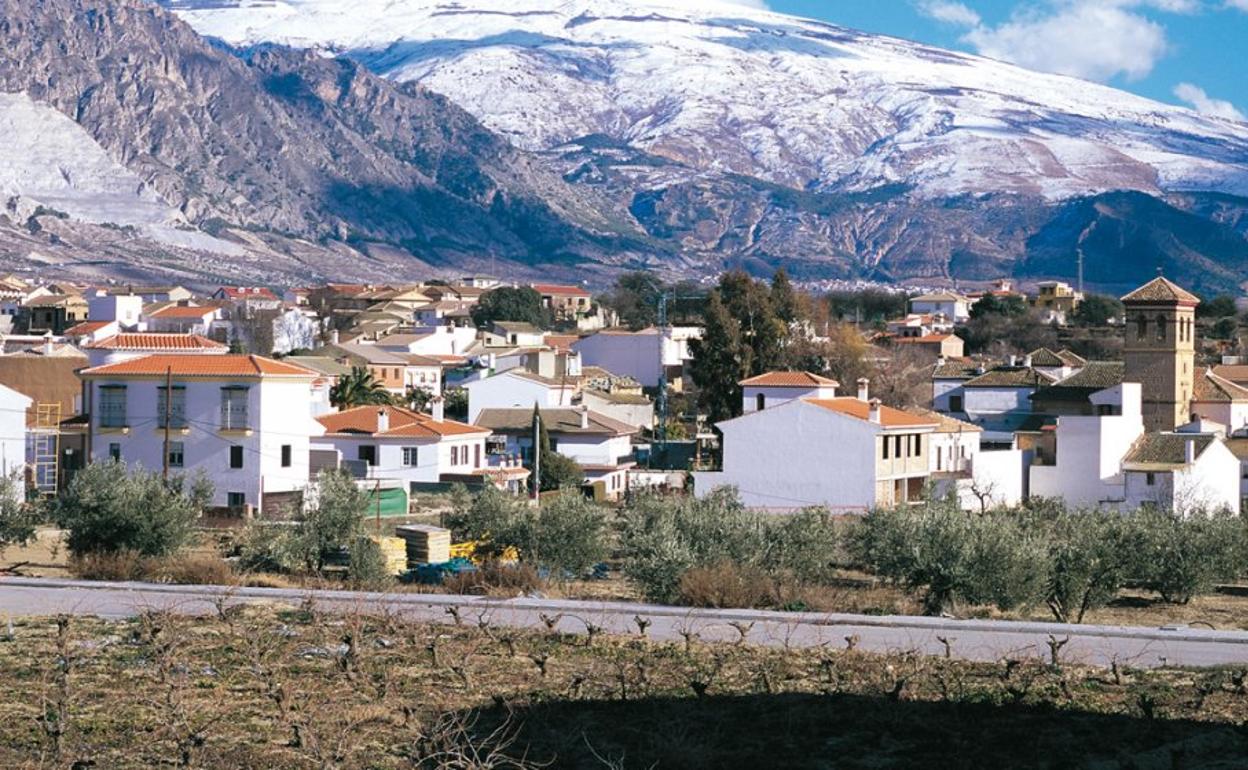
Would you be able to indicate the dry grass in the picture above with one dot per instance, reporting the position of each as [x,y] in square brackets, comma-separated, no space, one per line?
[265,688]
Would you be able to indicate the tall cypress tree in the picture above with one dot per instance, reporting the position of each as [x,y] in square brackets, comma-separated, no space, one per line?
[720,361]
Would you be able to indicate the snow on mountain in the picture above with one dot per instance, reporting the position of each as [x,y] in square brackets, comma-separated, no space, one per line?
[722,87]
[46,159]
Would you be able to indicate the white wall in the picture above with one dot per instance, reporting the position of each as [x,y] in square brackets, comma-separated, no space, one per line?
[13,406]
[278,414]
[631,355]
[1090,450]
[433,456]
[503,391]
[125,309]
[942,390]
[1209,484]
[1234,415]
[774,396]
[796,455]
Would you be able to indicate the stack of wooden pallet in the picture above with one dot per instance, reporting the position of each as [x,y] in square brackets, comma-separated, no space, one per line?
[426,544]
[394,551]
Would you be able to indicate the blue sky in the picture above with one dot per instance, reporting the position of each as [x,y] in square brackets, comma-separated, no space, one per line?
[1192,52]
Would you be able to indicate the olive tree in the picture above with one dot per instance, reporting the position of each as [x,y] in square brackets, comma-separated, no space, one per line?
[109,508]
[1183,556]
[18,518]
[568,534]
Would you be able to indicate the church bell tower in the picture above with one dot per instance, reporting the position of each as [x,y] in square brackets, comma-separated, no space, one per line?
[1159,350]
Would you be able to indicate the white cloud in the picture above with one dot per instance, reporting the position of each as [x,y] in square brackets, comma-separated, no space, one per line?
[1241,5]
[1205,104]
[1093,39]
[952,13]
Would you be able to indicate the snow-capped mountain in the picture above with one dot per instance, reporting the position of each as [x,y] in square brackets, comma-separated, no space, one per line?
[720,87]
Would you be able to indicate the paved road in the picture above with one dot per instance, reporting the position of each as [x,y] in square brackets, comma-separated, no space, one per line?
[968,639]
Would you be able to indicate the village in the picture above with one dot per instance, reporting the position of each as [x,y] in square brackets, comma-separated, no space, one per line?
[403,389]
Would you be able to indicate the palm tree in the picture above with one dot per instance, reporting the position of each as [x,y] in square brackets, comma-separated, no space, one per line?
[359,388]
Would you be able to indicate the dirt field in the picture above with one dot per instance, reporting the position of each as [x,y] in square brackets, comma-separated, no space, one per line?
[261,688]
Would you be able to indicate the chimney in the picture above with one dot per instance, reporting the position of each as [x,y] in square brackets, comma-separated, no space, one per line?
[873,414]
[1013,360]
[1027,362]
[584,410]
[439,408]
[1189,451]
[333,337]
[383,420]
[47,344]
[863,388]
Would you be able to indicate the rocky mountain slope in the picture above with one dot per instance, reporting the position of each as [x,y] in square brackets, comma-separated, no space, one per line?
[281,143]
[300,139]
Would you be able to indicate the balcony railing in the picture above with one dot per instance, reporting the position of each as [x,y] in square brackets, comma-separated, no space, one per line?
[234,417]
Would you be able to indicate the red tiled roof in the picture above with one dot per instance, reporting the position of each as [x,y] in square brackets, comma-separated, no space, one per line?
[183,311]
[86,327]
[925,339]
[1162,290]
[561,341]
[790,380]
[157,342]
[404,423]
[889,417]
[555,288]
[246,292]
[200,366]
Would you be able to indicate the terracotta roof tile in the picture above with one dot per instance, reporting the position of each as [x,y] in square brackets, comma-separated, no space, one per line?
[1162,450]
[555,288]
[557,420]
[157,342]
[86,327]
[183,311]
[789,380]
[404,423]
[1162,290]
[1010,377]
[200,366]
[1208,386]
[889,417]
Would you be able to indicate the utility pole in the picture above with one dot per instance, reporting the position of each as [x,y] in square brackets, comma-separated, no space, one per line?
[168,419]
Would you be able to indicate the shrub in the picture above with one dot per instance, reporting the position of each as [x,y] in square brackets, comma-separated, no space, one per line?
[568,534]
[481,518]
[333,520]
[108,508]
[18,518]
[200,569]
[805,544]
[367,565]
[726,585]
[1088,556]
[950,555]
[496,578]
[112,565]
[1181,557]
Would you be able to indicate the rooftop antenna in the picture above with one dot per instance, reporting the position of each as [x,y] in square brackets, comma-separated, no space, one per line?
[1079,280]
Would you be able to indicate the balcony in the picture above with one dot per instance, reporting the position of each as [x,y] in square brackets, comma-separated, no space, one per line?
[234,419]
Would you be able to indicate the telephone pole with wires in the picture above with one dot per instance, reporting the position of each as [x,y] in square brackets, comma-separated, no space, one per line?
[168,420]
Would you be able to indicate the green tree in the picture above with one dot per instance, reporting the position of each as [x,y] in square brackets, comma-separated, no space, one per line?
[359,388]
[109,508]
[1184,556]
[762,330]
[557,471]
[1088,557]
[567,534]
[635,298]
[784,297]
[334,519]
[509,303]
[1009,305]
[720,361]
[485,516]
[1225,328]
[1097,310]
[1221,306]
[18,518]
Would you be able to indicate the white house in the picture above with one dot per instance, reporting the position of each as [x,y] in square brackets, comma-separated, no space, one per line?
[634,409]
[1217,398]
[843,453]
[980,479]
[1182,472]
[517,388]
[121,347]
[643,355]
[125,309]
[13,406]
[775,388]
[600,445]
[1086,466]
[952,306]
[1059,365]
[187,319]
[999,401]
[431,341]
[390,442]
[245,421]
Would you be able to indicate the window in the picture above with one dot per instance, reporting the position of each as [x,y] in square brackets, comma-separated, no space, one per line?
[234,408]
[897,446]
[367,454]
[1150,479]
[114,452]
[176,454]
[476,455]
[235,499]
[917,444]
[955,403]
[1161,327]
[286,453]
[760,401]
[410,456]
[236,456]
[176,407]
[886,446]
[1141,327]
[112,406]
